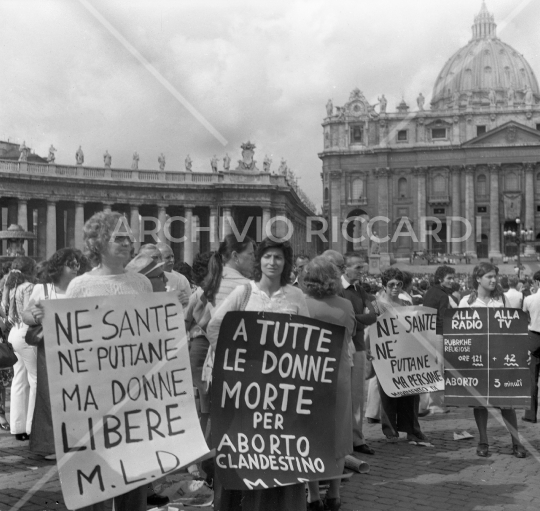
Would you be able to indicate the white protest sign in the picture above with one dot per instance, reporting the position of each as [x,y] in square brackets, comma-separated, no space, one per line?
[403,344]
[121,393]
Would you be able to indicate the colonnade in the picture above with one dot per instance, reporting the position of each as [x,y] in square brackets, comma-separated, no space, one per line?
[187,228]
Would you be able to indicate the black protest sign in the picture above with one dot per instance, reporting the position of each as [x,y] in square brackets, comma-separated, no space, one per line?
[121,393]
[485,357]
[273,399]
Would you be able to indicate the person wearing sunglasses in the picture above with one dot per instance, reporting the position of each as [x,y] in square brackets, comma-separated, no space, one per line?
[397,413]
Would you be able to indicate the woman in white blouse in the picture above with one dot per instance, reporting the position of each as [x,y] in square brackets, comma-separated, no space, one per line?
[270,292]
[487,293]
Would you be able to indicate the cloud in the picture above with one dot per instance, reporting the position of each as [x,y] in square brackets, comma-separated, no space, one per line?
[255,70]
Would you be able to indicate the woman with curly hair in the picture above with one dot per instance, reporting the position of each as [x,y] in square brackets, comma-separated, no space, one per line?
[321,281]
[397,413]
[109,255]
[270,292]
[486,293]
[17,290]
[63,266]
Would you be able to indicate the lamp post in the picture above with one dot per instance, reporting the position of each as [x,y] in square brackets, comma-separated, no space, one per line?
[517,237]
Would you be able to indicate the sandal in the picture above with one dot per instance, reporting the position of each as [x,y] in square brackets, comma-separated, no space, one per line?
[482,450]
[519,451]
[392,439]
[4,424]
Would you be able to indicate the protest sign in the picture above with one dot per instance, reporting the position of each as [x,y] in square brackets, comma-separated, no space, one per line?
[403,344]
[273,399]
[121,393]
[485,357]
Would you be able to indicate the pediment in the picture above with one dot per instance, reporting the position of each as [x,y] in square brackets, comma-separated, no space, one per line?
[509,134]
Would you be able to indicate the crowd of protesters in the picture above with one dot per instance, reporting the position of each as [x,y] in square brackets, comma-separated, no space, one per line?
[241,275]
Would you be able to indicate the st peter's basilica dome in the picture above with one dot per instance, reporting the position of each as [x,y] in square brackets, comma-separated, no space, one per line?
[485,65]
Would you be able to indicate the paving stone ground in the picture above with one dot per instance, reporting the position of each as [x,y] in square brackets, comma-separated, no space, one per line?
[448,476]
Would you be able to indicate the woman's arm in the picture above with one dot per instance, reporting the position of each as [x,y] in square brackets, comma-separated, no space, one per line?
[231,303]
[33,313]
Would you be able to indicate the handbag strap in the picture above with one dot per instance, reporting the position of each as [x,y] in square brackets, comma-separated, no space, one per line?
[245,297]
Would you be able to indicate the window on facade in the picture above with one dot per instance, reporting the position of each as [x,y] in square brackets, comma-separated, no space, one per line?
[439,211]
[356,134]
[480,130]
[481,209]
[511,181]
[538,127]
[326,194]
[357,189]
[402,187]
[439,185]
[481,185]
[438,133]
[537,183]
[402,136]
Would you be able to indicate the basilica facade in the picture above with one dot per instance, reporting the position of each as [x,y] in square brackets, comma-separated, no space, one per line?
[451,178]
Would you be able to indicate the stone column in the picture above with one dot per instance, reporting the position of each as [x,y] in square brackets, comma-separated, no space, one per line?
[529,205]
[280,226]
[51,228]
[382,227]
[214,228]
[494,216]
[266,215]
[42,231]
[162,218]
[227,219]
[70,227]
[470,242]
[334,211]
[456,208]
[421,200]
[22,213]
[79,225]
[188,232]
[135,226]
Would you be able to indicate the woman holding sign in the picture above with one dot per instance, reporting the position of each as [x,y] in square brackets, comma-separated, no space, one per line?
[271,292]
[321,282]
[486,293]
[397,413]
[62,268]
[109,255]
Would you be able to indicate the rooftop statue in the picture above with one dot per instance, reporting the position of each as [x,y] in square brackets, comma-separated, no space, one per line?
[329,108]
[51,157]
[528,95]
[226,163]
[24,152]
[188,163]
[135,161]
[492,96]
[79,156]
[266,164]
[382,104]
[511,96]
[283,167]
[214,163]
[107,158]
[420,100]
[161,161]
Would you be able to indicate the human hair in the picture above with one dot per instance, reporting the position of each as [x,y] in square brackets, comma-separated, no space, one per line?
[227,247]
[441,272]
[407,279]
[22,270]
[151,250]
[57,262]
[347,256]
[301,255]
[455,287]
[513,281]
[185,270]
[321,278]
[536,276]
[478,272]
[42,273]
[287,250]
[199,270]
[97,232]
[391,274]
[423,285]
[5,268]
[504,283]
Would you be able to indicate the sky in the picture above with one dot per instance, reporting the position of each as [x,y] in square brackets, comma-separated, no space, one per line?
[202,77]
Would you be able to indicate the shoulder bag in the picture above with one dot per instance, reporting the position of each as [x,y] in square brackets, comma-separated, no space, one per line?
[34,334]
